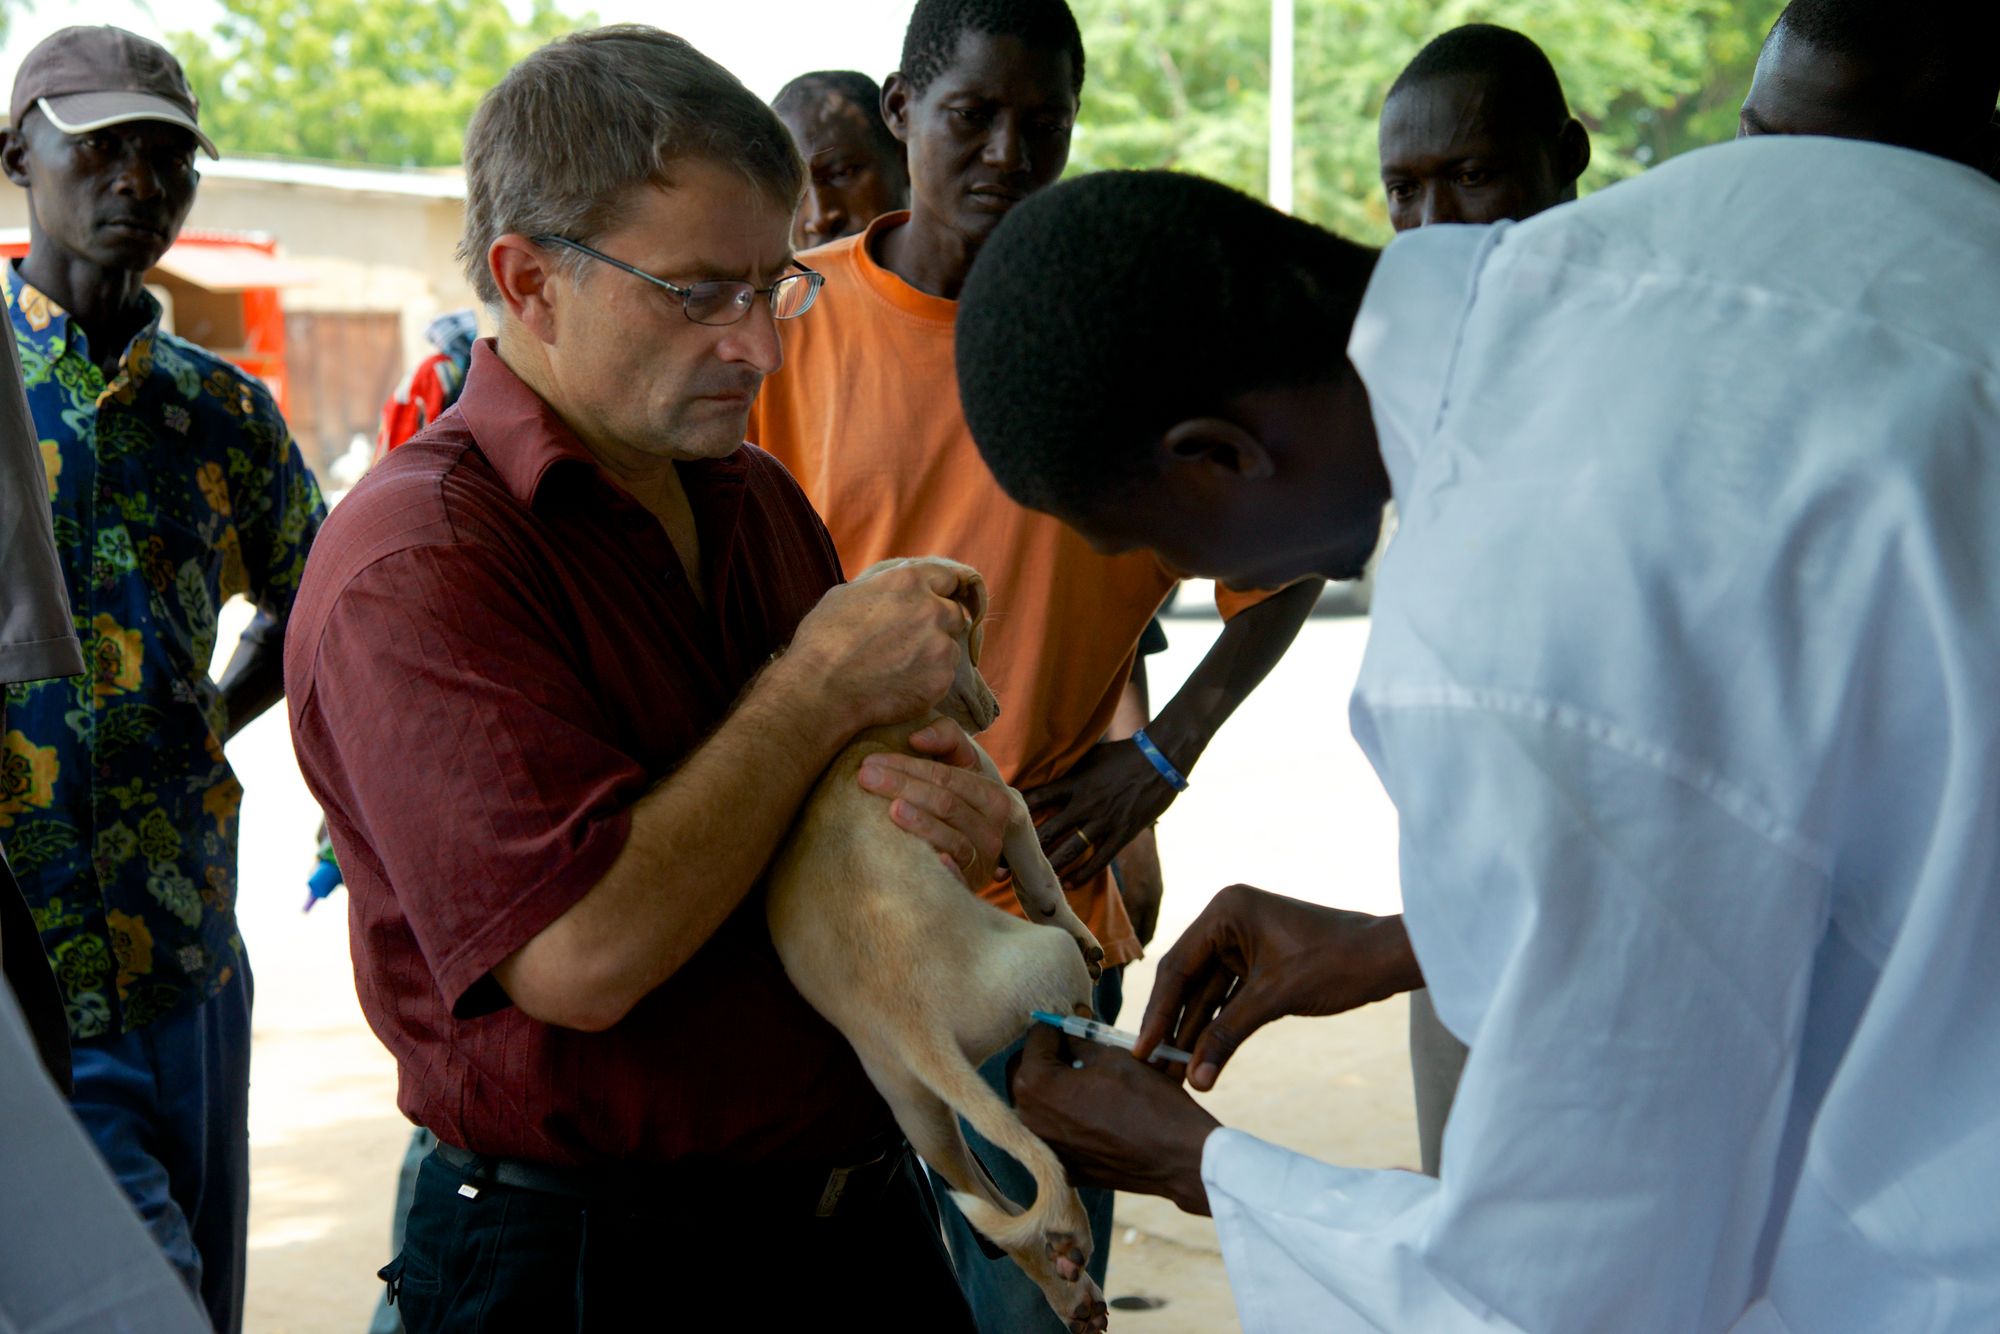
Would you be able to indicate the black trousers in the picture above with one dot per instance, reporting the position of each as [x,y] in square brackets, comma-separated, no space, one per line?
[509,1260]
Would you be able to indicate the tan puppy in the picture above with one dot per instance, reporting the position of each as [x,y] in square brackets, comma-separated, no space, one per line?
[927,981]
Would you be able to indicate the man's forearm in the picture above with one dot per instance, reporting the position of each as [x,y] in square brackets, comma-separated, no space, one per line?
[1241,657]
[698,842]
[254,680]
[1389,958]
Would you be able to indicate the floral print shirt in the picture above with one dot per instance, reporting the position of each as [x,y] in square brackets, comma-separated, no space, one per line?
[175,485]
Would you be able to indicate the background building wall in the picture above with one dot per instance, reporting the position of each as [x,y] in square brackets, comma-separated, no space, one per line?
[378,246]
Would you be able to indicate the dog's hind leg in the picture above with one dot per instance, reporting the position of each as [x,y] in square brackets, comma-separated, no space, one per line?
[1054,1220]
[933,1131]
[1035,882]
[1052,1258]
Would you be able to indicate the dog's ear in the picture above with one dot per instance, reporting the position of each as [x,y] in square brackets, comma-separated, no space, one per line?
[972,596]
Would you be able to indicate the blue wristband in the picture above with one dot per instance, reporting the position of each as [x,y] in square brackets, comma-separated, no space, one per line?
[1175,778]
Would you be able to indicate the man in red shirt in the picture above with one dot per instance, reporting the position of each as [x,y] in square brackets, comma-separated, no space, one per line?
[563,668]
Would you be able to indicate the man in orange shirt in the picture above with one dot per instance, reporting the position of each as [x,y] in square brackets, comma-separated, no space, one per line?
[865,413]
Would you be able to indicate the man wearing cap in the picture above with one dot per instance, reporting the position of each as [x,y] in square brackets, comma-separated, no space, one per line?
[75,1256]
[174,486]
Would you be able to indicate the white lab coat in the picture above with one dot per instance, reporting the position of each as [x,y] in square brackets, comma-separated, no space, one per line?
[1685,680]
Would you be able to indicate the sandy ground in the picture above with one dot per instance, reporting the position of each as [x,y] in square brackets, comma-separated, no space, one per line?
[1283,799]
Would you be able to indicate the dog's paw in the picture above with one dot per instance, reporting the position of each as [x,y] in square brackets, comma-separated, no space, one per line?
[1060,1274]
[1087,1312]
[1069,1255]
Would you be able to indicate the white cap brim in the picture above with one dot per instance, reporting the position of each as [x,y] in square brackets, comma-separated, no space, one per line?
[80,113]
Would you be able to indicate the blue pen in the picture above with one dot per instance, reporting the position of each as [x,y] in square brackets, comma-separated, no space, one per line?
[1105,1035]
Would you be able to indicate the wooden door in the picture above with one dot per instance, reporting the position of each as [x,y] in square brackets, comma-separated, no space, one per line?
[343,367]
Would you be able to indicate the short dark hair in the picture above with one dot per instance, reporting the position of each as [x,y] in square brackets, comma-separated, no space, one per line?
[557,146]
[1107,308]
[851,86]
[1509,59]
[1946,56]
[930,43]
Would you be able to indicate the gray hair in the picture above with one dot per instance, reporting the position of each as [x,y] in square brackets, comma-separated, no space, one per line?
[558,145]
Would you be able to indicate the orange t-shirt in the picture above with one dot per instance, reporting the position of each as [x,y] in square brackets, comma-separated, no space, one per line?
[865,413]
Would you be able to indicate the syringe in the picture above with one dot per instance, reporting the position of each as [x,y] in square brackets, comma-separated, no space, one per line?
[1105,1035]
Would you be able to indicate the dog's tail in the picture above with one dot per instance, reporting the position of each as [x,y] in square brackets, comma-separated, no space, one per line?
[954,1080]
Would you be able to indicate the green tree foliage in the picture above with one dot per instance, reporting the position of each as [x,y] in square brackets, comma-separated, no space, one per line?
[386,81]
[1185,84]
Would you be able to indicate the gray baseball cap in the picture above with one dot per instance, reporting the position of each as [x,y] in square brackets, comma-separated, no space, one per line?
[86,78]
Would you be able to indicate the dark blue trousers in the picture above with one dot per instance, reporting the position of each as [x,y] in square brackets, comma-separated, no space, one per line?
[168,1105]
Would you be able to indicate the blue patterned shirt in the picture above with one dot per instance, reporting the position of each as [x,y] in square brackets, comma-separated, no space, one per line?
[175,486]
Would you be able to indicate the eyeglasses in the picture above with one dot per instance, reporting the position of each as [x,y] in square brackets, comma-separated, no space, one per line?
[719,301]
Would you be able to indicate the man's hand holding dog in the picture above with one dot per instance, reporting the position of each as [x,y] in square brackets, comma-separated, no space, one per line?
[884,650]
[950,805]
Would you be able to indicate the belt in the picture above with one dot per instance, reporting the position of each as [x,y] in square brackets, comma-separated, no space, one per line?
[763,1189]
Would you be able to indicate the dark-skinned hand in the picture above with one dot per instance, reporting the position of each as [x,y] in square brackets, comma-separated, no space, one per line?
[1108,796]
[1116,1122]
[1253,956]
[1141,883]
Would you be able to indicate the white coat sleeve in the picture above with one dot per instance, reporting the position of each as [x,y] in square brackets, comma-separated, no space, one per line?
[1626,943]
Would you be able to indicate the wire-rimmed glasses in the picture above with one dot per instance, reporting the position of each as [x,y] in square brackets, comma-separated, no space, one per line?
[718,300]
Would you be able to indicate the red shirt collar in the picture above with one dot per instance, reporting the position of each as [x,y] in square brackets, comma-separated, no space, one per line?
[524,440]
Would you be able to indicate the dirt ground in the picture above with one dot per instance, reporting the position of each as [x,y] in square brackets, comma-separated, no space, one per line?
[1283,799]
